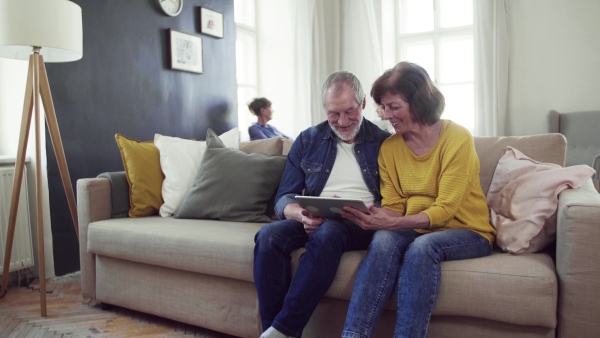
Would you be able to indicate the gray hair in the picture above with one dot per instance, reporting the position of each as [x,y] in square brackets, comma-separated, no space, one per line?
[335,80]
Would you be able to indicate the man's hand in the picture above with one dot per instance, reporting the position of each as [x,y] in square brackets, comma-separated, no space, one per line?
[295,211]
[311,223]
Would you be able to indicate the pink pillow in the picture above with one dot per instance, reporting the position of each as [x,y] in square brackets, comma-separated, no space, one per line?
[523,198]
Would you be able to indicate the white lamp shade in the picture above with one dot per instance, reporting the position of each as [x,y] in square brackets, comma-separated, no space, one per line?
[53,25]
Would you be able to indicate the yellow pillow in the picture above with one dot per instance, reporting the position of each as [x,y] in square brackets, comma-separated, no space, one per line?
[144,175]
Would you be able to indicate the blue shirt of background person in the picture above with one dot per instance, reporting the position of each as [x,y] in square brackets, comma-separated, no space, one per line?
[261,107]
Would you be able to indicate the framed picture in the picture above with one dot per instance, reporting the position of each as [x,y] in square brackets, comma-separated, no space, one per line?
[211,22]
[185,52]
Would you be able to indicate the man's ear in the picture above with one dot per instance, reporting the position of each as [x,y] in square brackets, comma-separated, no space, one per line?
[364,103]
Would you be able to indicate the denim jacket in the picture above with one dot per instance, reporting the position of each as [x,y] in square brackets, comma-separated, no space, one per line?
[311,159]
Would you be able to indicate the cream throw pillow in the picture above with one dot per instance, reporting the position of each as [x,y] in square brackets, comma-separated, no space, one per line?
[179,162]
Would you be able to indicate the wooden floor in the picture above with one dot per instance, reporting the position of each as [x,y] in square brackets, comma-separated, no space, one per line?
[69,315]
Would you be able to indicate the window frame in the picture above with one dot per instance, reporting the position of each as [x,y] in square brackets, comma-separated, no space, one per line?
[436,36]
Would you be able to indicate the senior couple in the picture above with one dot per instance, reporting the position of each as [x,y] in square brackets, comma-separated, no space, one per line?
[425,178]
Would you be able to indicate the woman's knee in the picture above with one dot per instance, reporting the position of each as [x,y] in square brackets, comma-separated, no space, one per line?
[388,241]
[424,248]
[384,243]
[384,239]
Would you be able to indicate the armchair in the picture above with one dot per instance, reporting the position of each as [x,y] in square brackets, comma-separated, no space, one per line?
[581,132]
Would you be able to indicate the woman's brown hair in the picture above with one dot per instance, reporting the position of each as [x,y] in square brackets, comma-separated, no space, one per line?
[412,82]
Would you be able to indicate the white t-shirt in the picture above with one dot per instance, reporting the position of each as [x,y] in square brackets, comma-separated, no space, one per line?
[346,179]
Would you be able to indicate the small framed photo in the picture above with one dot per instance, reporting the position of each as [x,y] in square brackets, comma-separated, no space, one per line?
[185,52]
[211,22]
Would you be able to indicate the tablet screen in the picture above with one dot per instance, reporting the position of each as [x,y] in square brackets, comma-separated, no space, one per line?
[329,207]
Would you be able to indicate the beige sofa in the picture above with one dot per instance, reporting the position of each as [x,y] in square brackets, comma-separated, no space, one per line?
[200,271]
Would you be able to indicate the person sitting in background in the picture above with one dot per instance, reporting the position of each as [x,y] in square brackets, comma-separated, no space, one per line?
[261,107]
[381,121]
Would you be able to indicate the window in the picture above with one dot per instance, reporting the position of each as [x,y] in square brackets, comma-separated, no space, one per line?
[438,35]
[246,61]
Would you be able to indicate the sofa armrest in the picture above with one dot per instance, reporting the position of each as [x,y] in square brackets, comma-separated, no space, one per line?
[578,262]
[93,204]
[119,193]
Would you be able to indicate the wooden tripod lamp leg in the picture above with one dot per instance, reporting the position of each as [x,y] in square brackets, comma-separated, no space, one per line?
[37,86]
[38,185]
[18,175]
[57,143]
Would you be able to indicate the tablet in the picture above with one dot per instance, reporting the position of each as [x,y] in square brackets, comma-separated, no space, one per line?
[329,207]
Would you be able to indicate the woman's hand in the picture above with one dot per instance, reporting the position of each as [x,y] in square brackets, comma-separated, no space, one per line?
[379,218]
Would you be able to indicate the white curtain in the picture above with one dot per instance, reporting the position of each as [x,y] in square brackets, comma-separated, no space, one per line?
[491,67]
[361,44]
[325,51]
[333,35]
[303,55]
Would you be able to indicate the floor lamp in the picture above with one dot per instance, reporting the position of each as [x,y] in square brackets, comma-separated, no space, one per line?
[39,31]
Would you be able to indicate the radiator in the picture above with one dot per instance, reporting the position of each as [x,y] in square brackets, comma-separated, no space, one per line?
[22,250]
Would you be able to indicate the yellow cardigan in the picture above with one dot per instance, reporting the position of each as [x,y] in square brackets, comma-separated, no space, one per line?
[444,183]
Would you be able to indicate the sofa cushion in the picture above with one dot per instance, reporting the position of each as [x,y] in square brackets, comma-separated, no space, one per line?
[287,146]
[217,248]
[141,161]
[269,146]
[232,185]
[548,148]
[519,289]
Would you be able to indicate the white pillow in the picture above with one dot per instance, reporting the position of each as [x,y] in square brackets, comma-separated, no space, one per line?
[179,162]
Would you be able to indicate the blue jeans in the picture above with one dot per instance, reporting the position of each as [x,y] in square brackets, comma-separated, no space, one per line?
[287,303]
[413,260]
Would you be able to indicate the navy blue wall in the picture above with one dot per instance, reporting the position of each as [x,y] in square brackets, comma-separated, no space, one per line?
[123,85]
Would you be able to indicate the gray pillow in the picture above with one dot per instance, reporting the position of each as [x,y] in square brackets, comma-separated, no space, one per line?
[232,185]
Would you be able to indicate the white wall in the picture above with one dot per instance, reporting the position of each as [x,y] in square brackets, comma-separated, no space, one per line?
[554,60]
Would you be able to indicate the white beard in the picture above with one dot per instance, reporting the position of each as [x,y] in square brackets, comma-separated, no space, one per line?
[345,137]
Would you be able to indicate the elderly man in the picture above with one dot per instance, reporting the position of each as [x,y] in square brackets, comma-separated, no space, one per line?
[337,157]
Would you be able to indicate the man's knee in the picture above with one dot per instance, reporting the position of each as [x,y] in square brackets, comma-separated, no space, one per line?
[284,235]
[330,230]
[269,235]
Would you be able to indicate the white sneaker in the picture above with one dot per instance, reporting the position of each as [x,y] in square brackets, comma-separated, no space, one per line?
[273,333]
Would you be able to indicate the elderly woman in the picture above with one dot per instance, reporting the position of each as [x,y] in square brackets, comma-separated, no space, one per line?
[433,208]
[261,107]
